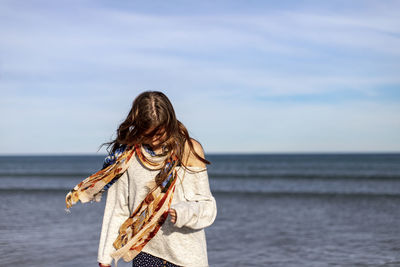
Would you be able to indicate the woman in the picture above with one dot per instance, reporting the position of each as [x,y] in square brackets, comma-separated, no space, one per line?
[167,172]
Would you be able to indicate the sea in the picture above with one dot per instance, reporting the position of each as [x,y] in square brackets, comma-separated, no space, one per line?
[328,209]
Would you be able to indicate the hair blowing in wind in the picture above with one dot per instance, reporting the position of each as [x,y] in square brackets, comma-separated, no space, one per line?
[152,119]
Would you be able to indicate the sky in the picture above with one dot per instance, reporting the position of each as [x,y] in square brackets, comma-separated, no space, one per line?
[243,76]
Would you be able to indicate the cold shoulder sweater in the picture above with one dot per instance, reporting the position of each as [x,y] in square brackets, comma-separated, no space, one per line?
[182,243]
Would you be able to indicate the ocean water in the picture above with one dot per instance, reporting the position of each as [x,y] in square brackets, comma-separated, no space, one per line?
[273,210]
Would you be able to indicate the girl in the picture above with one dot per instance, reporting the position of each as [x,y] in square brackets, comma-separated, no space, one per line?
[159,204]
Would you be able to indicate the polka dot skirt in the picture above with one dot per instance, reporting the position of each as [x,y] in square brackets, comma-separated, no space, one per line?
[144,259]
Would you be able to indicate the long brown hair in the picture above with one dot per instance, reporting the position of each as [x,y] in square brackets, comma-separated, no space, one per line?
[152,110]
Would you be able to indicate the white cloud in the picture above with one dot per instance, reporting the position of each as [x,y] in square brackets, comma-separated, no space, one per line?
[86,63]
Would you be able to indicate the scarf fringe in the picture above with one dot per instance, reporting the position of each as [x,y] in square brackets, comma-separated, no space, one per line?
[155,206]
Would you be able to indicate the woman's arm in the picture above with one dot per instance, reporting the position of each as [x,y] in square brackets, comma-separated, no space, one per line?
[116,211]
[200,209]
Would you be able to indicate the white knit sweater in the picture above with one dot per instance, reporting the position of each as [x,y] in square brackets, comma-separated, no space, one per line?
[182,243]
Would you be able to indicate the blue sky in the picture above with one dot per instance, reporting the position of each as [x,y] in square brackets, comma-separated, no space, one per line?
[243,76]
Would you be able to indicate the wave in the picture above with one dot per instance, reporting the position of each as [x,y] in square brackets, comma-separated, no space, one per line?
[225,175]
[311,194]
[308,176]
[47,174]
[224,192]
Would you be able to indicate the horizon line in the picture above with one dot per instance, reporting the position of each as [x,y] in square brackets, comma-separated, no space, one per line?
[217,153]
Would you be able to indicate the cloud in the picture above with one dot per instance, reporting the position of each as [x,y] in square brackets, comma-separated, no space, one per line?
[62,60]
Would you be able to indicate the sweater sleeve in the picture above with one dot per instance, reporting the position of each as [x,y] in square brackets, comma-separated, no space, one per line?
[200,209]
[116,211]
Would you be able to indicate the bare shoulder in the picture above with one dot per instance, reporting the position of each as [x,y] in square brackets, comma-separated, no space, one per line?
[192,160]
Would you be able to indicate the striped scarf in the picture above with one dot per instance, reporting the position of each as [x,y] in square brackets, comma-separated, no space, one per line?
[150,214]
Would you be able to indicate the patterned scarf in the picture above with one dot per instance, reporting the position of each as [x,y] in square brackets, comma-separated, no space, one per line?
[151,213]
